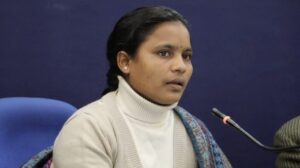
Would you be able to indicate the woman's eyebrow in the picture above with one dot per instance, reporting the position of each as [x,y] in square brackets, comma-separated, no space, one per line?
[170,46]
[188,50]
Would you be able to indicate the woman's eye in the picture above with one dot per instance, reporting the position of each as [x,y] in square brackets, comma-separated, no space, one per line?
[164,53]
[187,57]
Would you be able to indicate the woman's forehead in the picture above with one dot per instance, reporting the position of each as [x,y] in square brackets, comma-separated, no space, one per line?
[170,35]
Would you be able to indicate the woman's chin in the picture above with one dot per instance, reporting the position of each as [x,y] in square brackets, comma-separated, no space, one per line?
[168,100]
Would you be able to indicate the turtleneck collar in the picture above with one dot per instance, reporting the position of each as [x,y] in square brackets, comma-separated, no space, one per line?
[139,108]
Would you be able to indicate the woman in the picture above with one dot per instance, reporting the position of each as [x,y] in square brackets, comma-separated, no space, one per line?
[137,123]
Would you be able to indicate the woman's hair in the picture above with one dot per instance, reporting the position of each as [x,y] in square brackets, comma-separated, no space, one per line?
[130,31]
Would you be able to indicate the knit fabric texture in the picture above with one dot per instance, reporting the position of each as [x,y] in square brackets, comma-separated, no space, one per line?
[288,135]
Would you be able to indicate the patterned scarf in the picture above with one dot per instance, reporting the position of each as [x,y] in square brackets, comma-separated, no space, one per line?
[208,153]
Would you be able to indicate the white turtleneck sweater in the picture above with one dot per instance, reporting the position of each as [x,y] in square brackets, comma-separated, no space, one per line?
[123,130]
[151,126]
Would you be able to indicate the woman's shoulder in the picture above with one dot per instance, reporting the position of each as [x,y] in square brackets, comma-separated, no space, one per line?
[90,121]
[187,116]
[191,122]
[98,109]
[98,112]
[88,129]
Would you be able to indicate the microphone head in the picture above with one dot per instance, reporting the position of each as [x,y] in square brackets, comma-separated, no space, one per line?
[218,113]
[226,120]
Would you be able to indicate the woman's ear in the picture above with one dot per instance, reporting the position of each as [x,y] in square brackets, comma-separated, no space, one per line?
[123,60]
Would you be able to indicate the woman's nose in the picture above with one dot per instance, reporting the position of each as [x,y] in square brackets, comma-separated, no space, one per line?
[178,64]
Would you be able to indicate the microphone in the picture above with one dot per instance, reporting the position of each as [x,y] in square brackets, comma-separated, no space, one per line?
[227,120]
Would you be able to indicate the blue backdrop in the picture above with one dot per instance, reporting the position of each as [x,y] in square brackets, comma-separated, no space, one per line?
[246,60]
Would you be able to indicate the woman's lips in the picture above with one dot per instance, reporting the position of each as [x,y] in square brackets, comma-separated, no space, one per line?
[176,84]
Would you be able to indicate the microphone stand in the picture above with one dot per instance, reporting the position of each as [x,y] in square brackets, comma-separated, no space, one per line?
[227,120]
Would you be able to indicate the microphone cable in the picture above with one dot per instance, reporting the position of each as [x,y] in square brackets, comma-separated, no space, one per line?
[227,120]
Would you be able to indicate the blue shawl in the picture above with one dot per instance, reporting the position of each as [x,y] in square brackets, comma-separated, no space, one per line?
[208,153]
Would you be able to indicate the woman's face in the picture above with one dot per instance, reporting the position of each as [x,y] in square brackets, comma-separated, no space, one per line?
[162,67]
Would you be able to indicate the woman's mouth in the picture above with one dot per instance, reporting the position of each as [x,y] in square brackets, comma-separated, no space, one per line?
[176,85]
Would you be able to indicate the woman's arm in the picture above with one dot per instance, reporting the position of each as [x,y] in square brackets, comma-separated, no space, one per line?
[82,143]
